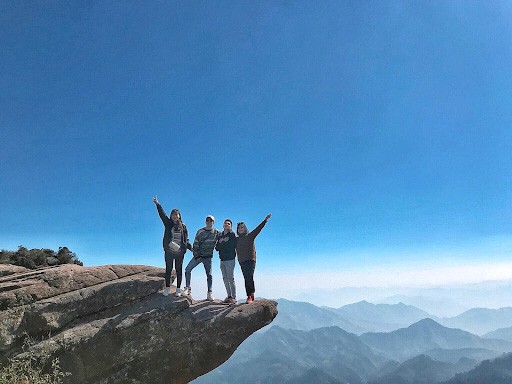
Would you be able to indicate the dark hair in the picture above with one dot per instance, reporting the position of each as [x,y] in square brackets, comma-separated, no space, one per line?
[230,222]
[238,224]
[180,223]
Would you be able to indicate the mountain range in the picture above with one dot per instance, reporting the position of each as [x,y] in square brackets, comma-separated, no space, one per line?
[422,369]
[501,333]
[274,355]
[306,316]
[481,320]
[425,335]
[381,317]
[363,317]
[307,344]
[497,371]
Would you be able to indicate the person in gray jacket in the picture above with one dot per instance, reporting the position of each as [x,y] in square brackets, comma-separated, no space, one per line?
[204,243]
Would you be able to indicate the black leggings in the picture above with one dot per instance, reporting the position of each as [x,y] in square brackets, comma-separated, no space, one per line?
[248,272]
[178,261]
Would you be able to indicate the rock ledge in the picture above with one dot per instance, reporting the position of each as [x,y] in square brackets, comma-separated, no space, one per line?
[108,324]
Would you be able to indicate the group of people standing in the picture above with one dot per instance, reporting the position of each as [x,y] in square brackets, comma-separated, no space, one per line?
[208,239]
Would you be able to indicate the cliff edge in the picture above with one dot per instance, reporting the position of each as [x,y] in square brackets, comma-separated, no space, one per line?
[109,324]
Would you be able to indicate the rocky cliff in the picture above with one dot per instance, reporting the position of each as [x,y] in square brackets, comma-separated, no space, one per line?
[109,324]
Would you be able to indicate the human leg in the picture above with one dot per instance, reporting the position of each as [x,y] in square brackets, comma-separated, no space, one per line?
[207,262]
[224,278]
[248,272]
[168,268]
[188,270]
[179,269]
[229,278]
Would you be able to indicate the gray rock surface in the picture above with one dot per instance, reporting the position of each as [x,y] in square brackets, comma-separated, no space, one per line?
[109,324]
[8,269]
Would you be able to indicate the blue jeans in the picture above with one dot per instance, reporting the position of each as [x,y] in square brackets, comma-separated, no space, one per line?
[227,267]
[207,262]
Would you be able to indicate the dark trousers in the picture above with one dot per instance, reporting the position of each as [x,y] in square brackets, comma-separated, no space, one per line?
[178,261]
[248,268]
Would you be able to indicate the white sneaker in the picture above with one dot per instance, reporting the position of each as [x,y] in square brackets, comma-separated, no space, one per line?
[187,291]
[209,296]
[178,292]
[166,291]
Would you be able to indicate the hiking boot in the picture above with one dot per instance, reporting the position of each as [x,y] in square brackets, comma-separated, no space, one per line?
[166,291]
[209,296]
[233,301]
[178,292]
[227,300]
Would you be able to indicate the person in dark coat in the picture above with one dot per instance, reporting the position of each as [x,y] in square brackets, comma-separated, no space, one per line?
[175,243]
[226,245]
[246,252]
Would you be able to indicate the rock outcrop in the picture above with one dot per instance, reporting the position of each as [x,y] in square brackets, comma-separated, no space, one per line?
[108,324]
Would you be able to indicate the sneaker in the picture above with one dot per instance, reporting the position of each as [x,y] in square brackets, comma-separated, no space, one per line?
[178,292]
[166,291]
[227,300]
[209,296]
[233,301]
[187,291]
[250,299]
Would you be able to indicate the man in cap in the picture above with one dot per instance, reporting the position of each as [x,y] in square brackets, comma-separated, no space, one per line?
[204,244]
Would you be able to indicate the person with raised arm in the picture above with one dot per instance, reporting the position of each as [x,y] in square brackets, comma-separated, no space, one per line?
[246,251]
[175,243]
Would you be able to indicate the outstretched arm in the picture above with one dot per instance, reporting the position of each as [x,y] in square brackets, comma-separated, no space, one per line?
[256,231]
[161,212]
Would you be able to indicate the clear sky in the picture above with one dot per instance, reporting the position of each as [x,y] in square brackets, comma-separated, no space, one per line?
[378,134]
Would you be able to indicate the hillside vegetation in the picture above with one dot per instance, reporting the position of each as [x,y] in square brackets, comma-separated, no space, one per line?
[34,258]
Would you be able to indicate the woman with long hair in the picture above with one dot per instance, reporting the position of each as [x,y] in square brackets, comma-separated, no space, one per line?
[246,251]
[175,243]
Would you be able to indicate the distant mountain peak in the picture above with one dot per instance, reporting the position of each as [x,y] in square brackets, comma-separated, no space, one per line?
[426,322]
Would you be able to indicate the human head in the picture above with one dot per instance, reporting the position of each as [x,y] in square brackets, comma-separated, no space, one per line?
[241,228]
[209,221]
[228,224]
[175,216]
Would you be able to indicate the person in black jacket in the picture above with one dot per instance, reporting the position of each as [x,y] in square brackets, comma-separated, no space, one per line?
[226,245]
[175,243]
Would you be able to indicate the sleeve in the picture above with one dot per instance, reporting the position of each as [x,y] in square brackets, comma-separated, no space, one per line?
[187,241]
[195,247]
[256,231]
[232,241]
[217,236]
[162,215]
[219,246]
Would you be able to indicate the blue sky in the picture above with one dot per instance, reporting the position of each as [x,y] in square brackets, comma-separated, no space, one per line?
[376,133]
